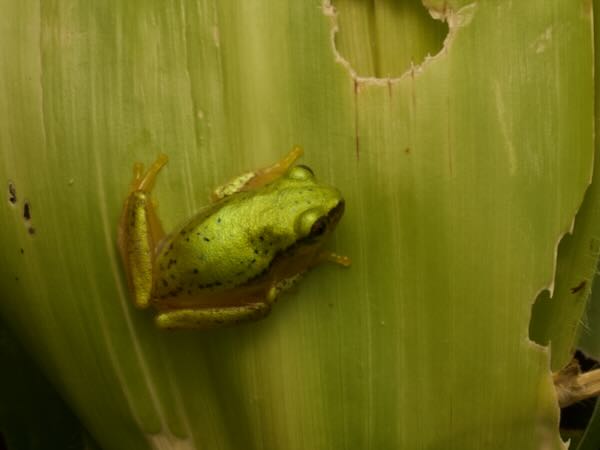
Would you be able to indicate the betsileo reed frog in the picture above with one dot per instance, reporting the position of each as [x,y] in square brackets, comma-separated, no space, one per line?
[229,262]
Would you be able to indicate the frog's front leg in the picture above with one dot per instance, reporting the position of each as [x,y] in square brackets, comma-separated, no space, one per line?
[257,178]
[204,318]
[139,231]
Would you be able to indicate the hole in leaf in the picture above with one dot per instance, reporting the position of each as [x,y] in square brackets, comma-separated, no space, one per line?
[539,331]
[384,38]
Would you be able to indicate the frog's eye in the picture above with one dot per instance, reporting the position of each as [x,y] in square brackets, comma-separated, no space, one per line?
[301,172]
[319,227]
[306,221]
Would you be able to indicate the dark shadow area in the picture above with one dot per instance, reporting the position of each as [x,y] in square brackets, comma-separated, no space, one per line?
[574,419]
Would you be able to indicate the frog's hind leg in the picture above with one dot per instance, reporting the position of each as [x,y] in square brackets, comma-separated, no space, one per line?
[257,178]
[139,231]
[205,318]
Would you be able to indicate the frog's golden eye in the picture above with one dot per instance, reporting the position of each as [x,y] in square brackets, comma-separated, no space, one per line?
[301,172]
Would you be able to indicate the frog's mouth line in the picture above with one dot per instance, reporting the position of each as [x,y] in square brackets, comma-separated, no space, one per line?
[325,225]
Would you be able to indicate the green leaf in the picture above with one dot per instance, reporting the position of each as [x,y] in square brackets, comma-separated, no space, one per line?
[557,320]
[460,177]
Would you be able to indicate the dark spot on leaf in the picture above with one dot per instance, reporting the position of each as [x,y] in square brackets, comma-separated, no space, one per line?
[22,251]
[579,287]
[31,230]
[12,193]
[27,211]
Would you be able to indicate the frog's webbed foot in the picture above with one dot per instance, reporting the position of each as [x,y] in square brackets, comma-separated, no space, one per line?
[284,284]
[327,256]
[139,231]
[145,181]
[281,286]
[257,178]
[205,318]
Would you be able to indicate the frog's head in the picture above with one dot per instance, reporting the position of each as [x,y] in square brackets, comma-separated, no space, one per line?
[320,206]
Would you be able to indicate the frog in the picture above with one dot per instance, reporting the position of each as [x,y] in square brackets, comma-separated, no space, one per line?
[228,264]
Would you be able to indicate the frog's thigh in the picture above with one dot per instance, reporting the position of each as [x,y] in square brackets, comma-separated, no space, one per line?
[136,244]
[212,317]
[257,178]
[139,231]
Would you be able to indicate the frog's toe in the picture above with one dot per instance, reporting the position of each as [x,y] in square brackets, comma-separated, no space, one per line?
[146,181]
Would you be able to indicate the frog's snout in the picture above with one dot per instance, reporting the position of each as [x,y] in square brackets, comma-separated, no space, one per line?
[336,213]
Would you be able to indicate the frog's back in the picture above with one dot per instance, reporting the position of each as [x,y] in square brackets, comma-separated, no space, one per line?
[224,246]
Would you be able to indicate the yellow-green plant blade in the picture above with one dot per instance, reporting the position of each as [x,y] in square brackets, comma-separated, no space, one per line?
[557,321]
[459,178]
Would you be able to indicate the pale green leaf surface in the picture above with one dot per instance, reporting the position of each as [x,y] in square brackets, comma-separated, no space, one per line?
[459,180]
